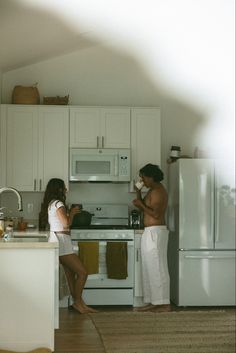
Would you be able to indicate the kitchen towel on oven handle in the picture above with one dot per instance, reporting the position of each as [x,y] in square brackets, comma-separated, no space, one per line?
[116,260]
[89,255]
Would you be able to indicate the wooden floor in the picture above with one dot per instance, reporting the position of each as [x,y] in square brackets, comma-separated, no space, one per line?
[77,333]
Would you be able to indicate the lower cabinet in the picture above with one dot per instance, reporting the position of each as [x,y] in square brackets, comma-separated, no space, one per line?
[138,292]
[28,298]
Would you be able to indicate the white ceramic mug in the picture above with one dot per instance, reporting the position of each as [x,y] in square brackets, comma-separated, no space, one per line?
[139,184]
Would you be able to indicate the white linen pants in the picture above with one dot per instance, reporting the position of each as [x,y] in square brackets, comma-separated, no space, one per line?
[155,274]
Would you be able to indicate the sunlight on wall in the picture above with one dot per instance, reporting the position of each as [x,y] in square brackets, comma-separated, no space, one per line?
[186,47]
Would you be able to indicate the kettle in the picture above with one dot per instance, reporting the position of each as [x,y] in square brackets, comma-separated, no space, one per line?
[135,219]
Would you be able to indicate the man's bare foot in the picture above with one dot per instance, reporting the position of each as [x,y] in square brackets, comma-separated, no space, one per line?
[147,307]
[161,308]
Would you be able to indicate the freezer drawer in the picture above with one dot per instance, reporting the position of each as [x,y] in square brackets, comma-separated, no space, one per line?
[206,278]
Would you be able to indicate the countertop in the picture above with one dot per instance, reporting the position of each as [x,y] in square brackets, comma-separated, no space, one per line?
[30,239]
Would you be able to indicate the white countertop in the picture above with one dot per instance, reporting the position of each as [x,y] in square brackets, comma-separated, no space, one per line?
[28,240]
[138,231]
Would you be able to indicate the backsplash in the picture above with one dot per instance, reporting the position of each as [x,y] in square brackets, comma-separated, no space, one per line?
[78,193]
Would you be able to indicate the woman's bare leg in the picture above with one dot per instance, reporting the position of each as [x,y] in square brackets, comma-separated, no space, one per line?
[70,276]
[74,265]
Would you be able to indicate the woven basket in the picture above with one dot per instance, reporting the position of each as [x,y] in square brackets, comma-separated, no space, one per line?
[25,95]
[56,100]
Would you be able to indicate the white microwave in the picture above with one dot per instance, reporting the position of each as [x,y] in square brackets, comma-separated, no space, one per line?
[99,164]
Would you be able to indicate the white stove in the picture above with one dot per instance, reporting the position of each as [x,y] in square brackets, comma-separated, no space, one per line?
[110,223]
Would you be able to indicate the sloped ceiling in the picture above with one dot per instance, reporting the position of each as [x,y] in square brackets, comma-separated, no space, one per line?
[28,35]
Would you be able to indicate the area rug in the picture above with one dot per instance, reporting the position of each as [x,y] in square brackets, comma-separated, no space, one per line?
[38,350]
[170,332]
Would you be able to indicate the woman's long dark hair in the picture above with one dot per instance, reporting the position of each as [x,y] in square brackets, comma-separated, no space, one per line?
[55,190]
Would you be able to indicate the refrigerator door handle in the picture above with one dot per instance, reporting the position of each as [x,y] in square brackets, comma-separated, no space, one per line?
[209,257]
[217,213]
[212,205]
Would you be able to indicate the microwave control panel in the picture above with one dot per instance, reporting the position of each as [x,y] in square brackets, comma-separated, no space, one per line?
[124,165]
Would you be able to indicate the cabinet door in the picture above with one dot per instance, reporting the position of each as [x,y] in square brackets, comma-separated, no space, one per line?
[145,138]
[22,147]
[85,127]
[115,127]
[53,144]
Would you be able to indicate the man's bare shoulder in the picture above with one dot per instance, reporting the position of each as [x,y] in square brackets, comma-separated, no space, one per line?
[159,192]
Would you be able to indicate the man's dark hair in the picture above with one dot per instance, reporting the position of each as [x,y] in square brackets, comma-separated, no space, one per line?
[153,171]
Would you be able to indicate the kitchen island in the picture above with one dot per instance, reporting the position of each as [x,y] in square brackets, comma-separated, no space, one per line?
[28,291]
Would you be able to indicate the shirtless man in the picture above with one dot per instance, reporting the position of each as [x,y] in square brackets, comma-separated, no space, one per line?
[154,240]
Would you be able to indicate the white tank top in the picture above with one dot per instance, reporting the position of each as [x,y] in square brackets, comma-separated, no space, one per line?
[53,220]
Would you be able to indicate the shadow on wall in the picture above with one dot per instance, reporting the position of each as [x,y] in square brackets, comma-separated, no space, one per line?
[65,61]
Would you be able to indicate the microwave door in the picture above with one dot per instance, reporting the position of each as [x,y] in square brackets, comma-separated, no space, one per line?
[90,168]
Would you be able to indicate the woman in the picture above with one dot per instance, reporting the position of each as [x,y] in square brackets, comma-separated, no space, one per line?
[54,212]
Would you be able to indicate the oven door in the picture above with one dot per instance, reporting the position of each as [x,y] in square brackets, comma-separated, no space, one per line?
[100,280]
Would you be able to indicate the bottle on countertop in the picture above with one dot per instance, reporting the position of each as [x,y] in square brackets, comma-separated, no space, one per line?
[9,232]
[2,224]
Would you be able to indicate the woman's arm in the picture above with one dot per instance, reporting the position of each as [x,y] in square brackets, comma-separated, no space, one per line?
[66,219]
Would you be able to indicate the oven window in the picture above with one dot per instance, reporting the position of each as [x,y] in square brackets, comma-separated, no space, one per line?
[93,167]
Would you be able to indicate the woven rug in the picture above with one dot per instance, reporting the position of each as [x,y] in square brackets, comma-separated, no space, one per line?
[173,332]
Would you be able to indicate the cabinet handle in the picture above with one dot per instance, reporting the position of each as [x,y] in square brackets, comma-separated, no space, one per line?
[102,141]
[137,255]
[97,141]
[34,184]
[40,184]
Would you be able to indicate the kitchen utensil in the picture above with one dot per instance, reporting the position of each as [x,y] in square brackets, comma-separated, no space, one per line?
[135,219]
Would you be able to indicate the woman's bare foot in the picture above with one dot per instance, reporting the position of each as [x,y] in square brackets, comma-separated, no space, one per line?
[80,308]
[91,310]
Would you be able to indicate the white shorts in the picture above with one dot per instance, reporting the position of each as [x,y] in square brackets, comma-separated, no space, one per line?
[155,274]
[65,244]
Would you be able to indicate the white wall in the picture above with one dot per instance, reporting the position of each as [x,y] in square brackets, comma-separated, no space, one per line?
[101,76]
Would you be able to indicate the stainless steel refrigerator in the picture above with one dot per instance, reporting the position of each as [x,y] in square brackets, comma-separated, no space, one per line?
[201,220]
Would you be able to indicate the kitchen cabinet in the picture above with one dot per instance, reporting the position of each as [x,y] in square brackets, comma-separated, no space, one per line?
[138,291]
[37,139]
[29,293]
[100,127]
[145,138]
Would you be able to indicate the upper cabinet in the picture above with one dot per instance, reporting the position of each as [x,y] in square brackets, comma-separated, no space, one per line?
[96,127]
[37,140]
[145,138]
